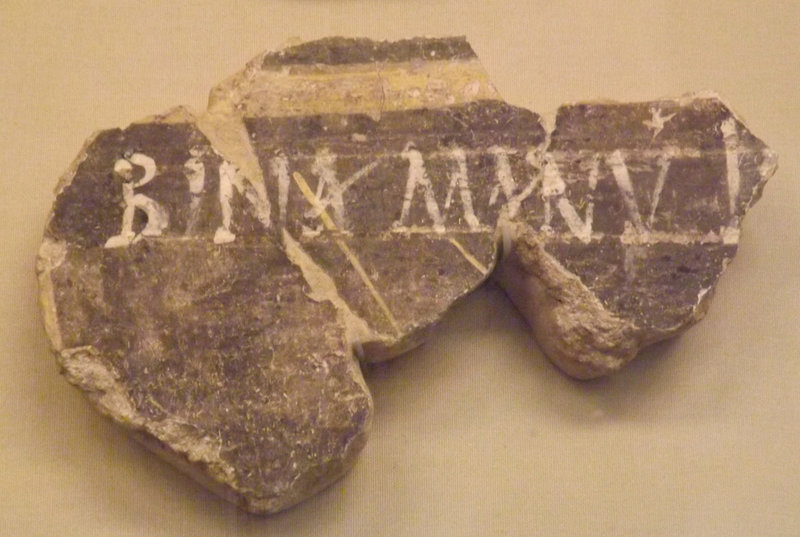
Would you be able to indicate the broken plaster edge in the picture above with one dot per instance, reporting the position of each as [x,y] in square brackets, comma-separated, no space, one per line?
[50,256]
[198,456]
[222,124]
[323,288]
[195,455]
[176,115]
[576,332]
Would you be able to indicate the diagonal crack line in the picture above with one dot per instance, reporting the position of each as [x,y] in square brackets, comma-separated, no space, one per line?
[327,221]
[469,257]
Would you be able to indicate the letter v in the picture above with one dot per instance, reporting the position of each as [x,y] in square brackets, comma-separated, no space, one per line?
[554,187]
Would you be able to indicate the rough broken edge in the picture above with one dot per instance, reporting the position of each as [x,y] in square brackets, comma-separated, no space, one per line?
[531,276]
[223,124]
[552,299]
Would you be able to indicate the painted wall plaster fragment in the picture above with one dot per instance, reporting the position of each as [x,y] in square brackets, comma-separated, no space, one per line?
[397,174]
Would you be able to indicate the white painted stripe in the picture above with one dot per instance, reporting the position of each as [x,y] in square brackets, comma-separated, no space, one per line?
[731,139]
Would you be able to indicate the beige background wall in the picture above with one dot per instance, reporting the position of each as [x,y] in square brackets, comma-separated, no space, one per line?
[475,433]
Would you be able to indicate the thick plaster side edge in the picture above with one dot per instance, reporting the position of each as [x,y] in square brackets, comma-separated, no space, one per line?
[195,454]
[574,329]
